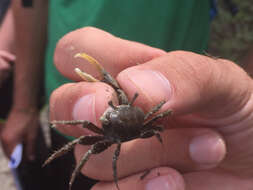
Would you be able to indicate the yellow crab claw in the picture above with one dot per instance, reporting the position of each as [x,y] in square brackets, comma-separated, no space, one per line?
[90,60]
[85,76]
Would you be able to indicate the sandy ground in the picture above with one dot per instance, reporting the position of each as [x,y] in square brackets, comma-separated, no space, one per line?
[6,179]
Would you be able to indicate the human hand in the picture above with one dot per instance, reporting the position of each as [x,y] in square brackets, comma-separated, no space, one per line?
[5,67]
[207,143]
[20,127]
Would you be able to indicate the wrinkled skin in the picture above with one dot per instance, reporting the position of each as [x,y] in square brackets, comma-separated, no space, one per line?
[207,143]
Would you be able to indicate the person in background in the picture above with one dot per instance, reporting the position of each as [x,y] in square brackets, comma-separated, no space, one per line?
[3,7]
[6,41]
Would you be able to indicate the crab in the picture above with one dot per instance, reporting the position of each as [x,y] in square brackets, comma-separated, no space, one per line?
[120,123]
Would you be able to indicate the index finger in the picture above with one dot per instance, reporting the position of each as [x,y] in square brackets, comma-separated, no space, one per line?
[104,47]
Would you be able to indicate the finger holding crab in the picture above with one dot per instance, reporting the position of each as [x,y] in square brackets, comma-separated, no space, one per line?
[192,140]
[120,55]
[154,82]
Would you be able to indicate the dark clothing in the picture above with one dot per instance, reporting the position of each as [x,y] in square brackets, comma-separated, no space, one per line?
[3,7]
[55,175]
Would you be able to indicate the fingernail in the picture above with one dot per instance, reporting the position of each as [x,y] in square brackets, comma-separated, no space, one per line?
[207,149]
[161,183]
[152,83]
[84,108]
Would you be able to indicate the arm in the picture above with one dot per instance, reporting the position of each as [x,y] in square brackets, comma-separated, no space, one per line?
[7,32]
[6,45]
[30,42]
[22,122]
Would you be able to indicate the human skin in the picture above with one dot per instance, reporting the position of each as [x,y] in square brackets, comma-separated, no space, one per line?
[5,68]
[6,45]
[207,142]
[22,122]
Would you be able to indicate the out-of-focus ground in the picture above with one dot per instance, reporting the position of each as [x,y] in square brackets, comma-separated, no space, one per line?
[231,37]
[6,179]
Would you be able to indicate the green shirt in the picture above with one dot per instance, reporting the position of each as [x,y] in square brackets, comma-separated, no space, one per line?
[166,24]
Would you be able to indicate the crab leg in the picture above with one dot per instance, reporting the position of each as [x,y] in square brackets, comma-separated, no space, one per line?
[151,133]
[134,98]
[114,164]
[95,149]
[85,123]
[78,168]
[87,140]
[154,110]
[161,115]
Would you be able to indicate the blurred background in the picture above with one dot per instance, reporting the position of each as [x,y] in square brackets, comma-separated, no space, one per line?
[232,35]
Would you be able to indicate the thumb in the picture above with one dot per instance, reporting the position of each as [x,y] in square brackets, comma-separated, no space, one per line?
[201,91]
[190,83]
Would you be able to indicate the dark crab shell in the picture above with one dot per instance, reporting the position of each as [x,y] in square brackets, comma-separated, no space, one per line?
[122,122]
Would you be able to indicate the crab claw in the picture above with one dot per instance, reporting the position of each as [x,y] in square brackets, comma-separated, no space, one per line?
[90,60]
[85,76]
[107,78]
